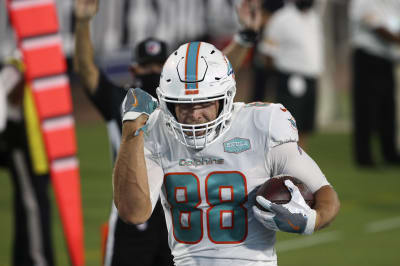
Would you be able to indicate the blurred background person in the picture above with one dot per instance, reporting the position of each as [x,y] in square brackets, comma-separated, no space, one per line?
[293,45]
[260,73]
[144,244]
[24,158]
[375,38]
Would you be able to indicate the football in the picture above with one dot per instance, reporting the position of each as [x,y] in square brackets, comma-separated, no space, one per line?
[275,191]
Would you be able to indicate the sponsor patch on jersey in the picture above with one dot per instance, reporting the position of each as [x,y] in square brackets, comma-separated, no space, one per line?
[237,145]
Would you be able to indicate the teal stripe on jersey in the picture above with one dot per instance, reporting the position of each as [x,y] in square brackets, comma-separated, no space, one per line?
[191,64]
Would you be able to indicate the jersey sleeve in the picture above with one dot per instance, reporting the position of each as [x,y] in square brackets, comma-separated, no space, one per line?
[290,159]
[155,176]
[281,127]
[107,98]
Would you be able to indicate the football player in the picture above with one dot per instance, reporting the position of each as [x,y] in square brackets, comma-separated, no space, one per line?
[129,244]
[205,156]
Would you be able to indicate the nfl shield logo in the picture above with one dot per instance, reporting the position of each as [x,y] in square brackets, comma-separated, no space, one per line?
[153,48]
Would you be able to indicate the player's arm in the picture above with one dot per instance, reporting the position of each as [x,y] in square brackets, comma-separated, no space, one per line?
[84,64]
[130,179]
[284,156]
[252,19]
[290,159]
[131,188]
[327,206]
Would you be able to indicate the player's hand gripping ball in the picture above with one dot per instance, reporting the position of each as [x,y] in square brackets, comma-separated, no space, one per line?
[276,191]
[283,203]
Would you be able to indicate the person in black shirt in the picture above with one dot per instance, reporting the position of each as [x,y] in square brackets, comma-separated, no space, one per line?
[129,244]
[144,244]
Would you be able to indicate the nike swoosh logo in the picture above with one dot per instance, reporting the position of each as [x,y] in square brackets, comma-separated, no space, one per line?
[136,101]
[294,227]
[283,109]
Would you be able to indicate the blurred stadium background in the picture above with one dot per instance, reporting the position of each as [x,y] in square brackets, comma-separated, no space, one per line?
[367,230]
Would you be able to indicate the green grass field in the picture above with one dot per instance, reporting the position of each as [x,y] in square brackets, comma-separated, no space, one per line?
[366,232]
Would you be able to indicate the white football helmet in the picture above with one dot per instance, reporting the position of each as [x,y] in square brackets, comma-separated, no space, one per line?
[197,72]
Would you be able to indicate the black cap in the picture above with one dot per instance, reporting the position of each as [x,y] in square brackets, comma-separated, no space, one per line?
[150,50]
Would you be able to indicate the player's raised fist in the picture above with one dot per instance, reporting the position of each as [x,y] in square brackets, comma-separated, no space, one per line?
[138,102]
[86,9]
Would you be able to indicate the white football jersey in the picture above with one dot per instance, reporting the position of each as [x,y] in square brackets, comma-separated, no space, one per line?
[207,194]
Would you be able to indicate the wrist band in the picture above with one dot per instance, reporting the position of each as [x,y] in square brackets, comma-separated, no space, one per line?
[246,37]
[310,226]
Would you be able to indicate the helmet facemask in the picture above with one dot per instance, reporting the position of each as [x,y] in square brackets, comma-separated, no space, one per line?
[198,136]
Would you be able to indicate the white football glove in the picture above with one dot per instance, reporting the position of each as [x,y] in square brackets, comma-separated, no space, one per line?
[138,102]
[293,217]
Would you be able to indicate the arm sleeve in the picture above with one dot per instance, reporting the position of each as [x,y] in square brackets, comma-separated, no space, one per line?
[107,98]
[290,159]
[155,176]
